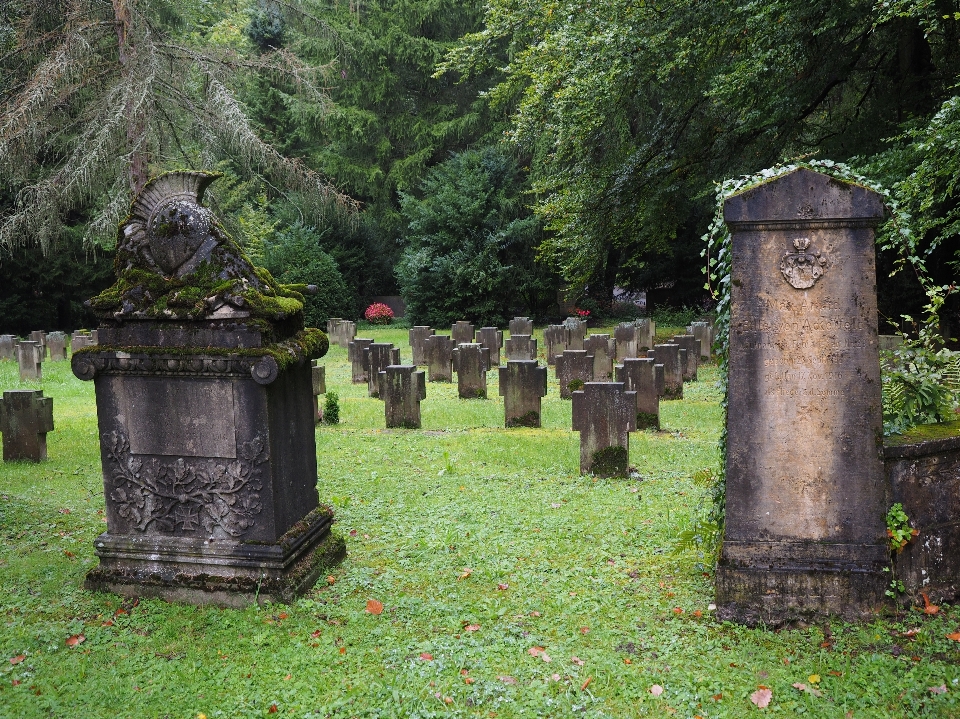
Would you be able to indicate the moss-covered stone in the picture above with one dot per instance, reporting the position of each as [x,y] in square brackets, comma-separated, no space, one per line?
[610,462]
[647,420]
[530,419]
[924,433]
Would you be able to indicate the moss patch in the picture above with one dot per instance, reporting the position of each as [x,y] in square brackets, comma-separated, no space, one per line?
[648,420]
[610,462]
[530,419]
[924,433]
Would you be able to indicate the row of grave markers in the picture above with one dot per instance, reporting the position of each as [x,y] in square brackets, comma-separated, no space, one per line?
[31,353]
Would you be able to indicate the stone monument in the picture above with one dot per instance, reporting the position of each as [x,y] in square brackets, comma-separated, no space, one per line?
[574,368]
[355,350]
[805,489]
[418,336]
[319,375]
[376,358]
[555,342]
[638,374]
[402,388]
[522,384]
[668,355]
[602,349]
[691,360]
[471,361]
[492,339]
[57,346]
[604,414]
[462,332]
[625,337]
[703,331]
[25,418]
[575,331]
[203,387]
[521,347]
[439,355]
[521,326]
[29,356]
[8,347]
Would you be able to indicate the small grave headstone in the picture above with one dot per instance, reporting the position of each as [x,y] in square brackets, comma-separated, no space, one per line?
[57,346]
[646,330]
[574,369]
[346,331]
[376,358]
[520,347]
[521,326]
[638,374]
[658,379]
[492,339]
[462,332]
[604,414]
[668,355]
[332,324]
[355,350]
[25,418]
[94,337]
[8,347]
[439,355]
[576,330]
[625,336]
[319,374]
[890,342]
[555,342]
[602,349]
[703,331]
[418,337]
[79,340]
[40,337]
[471,361]
[28,357]
[402,388]
[522,384]
[691,361]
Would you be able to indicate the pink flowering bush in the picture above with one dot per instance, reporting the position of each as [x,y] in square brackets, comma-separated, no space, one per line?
[379,314]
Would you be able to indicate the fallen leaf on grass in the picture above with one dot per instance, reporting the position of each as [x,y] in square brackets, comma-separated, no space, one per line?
[810,690]
[17,659]
[68,554]
[343,650]
[507,680]
[331,579]
[503,586]
[717,697]
[75,640]
[584,630]
[942,689]
[315,634]
[15,682]
[539,652]
[835,673]
[928,607]
[762,697]
[468,680]
[374,607]
[273,709]
[578,661]
[910,632]
[472,628]
[426,656]
[677,610]
[555,677]
[534,614]
[656,690]
[586,683]
[955,636]
[282,615]
[466,573]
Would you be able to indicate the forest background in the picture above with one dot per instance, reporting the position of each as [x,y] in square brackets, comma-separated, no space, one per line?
[476,158]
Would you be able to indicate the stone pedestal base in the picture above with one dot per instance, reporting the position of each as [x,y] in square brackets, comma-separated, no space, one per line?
[218,572]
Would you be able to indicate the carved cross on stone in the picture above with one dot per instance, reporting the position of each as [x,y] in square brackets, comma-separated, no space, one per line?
[418,337]
[462,332]
[574,368]
[355,350]
[25,418]
[492,339]
[29,356]
[376,358]
[604,414]
[522,384]
[668,355]
[639,375]
[521,326]
[521,347]
[319,374]
[402,388]
[555,342]
[471,362]
[691,344]
[438,351]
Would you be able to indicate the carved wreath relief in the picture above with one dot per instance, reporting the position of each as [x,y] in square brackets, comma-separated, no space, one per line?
[802,269]
[186,495]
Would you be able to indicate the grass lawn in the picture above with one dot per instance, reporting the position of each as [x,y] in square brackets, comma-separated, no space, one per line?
[482,544]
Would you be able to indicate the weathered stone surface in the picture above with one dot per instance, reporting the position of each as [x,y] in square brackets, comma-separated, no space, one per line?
[376,358]
[418,336]
[668,355]
[602,349]
[691,360]
[402,388]
[703,331]
[319,374]
[29,355]
[355,350]
[471,361]
[646,330]
[521,326]
[555,342]
[805,492]
[79,340]
[890,342]
[659,380]
[40,337]
[462,332]
[576,330]
[492,339]
[638,375]
[8,347]
[522,384]
[604,414]
[332,324]
[346,330]
[56,346]
[574,368]
[439,355]
[521,347]
[25,418]
[625,336]
[95,337]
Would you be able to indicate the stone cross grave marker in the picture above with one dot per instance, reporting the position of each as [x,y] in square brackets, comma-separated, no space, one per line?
[355,353]
[521,347]
[492,339]
[471,362]
[602,350]
[604,414]
[521,326]
[646,331]
[806,493]
[57,346]
[376,358]
[40,337]
[574,368]
[668,355]
[638,374]
[462,332]
[555,342]
[418,336]
[703,331]
[576,330]
[25,418]
[625,336]
[29,355]
[346,331]
[691,361]
[522,384]
[402,388]
[79,340]
[439,355]
[332,324]
[8,347]
[319,374]
[94,337]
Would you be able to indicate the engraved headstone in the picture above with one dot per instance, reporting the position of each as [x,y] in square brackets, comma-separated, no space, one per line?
[555,342]
[25,418]
[604,414]
[57,346]
[319,374]
[805,490]
[8,347]
[439,355]
[625,336]
[376,358]
[520,347]
[691,360]
[574,368]
[576,330]
[471,362]
[402,388]
[521,326]
[522,384]
[28,357]
[462,332]
[638,374]
[355,349]
[492,339]
[418,336]
[205,416]
[602,349]
[668,355]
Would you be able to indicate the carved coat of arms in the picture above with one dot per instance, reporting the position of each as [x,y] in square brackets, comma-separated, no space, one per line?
[802,269]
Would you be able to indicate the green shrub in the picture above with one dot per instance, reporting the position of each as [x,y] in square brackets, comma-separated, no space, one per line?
[667,316]
[331,408]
